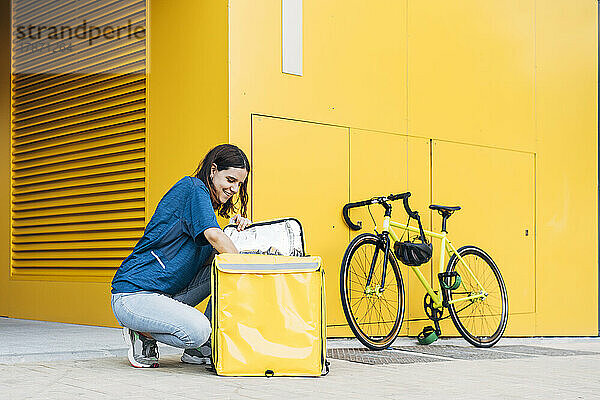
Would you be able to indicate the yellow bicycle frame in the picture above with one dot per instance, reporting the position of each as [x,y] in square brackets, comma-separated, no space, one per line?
[448,247]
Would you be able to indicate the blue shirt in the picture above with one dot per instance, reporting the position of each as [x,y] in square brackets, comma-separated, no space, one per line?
[173,248]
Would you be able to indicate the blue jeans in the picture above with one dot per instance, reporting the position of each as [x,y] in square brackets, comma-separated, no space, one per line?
[171,320]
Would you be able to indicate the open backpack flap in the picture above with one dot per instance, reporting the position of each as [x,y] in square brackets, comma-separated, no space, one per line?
[282,236]
[268,316]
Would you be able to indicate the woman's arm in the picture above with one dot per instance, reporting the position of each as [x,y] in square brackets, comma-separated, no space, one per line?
[220,241]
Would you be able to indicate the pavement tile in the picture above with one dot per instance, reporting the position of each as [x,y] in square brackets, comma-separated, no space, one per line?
[547,374]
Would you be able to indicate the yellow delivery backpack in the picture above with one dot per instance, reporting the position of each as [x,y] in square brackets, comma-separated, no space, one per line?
[268,315]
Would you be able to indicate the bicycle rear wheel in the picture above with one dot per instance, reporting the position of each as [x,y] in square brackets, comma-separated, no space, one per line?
[374,313]
[480,321]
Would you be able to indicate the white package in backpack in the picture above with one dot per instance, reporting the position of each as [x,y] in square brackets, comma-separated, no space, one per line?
[277,237]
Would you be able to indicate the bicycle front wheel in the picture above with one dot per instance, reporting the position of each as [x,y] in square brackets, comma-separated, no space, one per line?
[375,311]
[480,320]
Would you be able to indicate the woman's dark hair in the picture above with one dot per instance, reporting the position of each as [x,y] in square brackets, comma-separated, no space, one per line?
[225,156]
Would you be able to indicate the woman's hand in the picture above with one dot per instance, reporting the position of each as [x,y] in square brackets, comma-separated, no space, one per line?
[241,222]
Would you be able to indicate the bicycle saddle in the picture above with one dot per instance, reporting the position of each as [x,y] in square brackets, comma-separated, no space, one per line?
[444,210]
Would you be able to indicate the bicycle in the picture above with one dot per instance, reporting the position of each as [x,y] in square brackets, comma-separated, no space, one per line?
[471,287]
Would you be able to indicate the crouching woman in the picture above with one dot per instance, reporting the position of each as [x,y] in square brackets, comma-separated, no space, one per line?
[157,286]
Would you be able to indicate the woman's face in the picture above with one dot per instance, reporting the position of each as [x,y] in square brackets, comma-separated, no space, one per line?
[227,182]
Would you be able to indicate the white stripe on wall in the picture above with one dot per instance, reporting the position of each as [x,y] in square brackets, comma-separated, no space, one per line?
[291,36]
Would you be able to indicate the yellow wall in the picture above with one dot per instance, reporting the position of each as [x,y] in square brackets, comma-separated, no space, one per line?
[567,212]
[187,89]
[502,97]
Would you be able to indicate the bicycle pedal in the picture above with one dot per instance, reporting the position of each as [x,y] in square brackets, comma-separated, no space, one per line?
[427,336]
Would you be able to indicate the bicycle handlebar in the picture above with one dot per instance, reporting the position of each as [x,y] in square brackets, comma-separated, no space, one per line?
[376,200]
[352,225]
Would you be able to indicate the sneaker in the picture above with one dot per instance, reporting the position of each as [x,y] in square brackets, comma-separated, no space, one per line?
[200,356]
[143,351]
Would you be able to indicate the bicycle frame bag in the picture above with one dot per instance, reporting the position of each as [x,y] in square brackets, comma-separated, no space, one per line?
[277,237]
[268,316]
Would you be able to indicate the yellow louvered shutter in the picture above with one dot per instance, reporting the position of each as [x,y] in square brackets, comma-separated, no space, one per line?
[78,135]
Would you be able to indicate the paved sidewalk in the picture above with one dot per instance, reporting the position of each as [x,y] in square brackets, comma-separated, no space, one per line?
[42,360]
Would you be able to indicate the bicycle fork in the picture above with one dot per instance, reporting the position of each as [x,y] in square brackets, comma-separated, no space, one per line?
[385,235]
[386,246]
